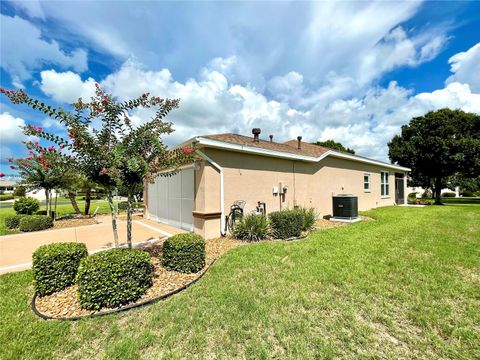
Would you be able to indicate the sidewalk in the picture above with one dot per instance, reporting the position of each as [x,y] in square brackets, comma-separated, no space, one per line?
[16,250]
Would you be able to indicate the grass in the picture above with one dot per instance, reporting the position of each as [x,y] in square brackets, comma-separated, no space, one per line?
[404,286]
[62,209]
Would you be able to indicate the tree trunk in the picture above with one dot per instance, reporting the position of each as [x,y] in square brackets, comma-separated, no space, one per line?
[56,198]
[438,191]
[73,200]
[114,218]
[129,220]
[47,202]
[88,199]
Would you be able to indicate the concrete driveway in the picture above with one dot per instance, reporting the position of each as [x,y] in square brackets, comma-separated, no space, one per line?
[16,250]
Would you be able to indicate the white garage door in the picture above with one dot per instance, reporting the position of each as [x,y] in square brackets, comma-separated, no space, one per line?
[170,199]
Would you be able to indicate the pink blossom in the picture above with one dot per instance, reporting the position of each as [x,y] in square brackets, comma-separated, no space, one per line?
[12,167]
[70,135]
[61,146]
[104,171]
[187,150]
[1,173]
[51,148]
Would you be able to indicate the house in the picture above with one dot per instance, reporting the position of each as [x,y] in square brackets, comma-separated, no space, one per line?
[7,186]
[233,167]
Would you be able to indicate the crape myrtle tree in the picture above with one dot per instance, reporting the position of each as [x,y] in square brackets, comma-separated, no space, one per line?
[438,145]
[117,153]
[44,168]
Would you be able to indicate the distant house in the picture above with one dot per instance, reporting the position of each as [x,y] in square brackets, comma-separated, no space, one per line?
[234,167]
[7,186]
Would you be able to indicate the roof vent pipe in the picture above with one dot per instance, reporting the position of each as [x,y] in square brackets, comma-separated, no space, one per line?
[271,138]
[256,133]
[299,139]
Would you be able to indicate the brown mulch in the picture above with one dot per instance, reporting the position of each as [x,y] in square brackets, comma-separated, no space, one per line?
[65,303]
[66,223]
[327,224]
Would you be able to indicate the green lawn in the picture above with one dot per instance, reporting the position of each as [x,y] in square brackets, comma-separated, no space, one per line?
[404,286]
[62,209]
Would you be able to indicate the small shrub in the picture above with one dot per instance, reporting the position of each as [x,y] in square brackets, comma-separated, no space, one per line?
[35,223]
[20,191]
[184,253]
[26,205]
[421,201]
[309,216]
[55,266]
[467,193]
[41,212]
[113,278]
[412,195]
[252,228]
[448,194]
[4,197]
[13,221]
[286,223]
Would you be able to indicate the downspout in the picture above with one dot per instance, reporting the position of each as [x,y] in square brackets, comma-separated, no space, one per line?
[222,207]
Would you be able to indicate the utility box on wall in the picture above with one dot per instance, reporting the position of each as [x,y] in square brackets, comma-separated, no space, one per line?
[345,206]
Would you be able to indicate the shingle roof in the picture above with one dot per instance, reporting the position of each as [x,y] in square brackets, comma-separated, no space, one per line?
[289,146]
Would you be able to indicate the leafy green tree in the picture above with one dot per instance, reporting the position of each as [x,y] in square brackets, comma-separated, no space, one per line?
[117,154]
[437,146]
[42,169]
[331,144]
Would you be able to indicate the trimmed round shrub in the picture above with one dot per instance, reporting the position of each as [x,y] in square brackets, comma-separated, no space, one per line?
[20,191]
[448,194]
[286,223]
[467,193]
[35,223]
[13,221]
[26,205]
[252,228]
[184,253]
[113,278]
[55,266]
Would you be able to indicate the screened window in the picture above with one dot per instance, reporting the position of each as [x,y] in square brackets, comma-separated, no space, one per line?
[385,191]
[366,182]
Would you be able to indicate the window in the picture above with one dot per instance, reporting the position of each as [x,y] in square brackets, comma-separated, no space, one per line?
[366,183]
[384,183]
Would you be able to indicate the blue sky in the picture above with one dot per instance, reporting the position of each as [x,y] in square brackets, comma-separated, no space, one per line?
[350,71]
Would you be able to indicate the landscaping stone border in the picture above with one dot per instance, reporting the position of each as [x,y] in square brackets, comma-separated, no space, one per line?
[120,309]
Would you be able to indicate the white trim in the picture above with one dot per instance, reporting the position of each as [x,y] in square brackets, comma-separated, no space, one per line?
[222,189]
[285,155]
[368,182]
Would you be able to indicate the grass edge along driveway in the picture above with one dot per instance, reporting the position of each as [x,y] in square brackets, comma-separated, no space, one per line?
[404,286]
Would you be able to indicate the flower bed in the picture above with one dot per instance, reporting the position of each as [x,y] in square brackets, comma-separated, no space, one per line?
[64,304]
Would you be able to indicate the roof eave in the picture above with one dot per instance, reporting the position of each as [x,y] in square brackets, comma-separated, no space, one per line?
[218,144]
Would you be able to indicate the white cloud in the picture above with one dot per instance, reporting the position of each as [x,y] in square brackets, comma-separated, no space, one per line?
[466,67]
[10,131]
[27,50]
[66,86]
[212,103]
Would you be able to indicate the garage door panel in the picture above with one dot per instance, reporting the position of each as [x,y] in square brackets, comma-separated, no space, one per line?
[171,199]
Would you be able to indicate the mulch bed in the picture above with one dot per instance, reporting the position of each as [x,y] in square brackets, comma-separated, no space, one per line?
[65,304]
[74,222]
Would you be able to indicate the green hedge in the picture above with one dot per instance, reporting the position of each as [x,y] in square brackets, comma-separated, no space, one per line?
[13,221]
[184,253]
[26,205]
[252,228]
[113,278]
[286,223]
[55,266]
[41,212]
[448,194]
[35,223]
[4,197]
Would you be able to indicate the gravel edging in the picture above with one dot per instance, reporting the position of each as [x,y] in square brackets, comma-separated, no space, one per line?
[120,309]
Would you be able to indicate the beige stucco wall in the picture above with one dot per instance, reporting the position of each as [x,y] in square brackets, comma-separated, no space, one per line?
[251,178]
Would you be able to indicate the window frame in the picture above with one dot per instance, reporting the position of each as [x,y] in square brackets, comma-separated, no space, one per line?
[369,188]
[384,184]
